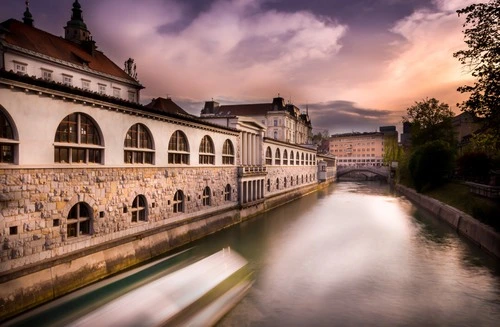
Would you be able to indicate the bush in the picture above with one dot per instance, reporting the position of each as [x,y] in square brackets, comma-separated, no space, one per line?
[430,165]
[474,166]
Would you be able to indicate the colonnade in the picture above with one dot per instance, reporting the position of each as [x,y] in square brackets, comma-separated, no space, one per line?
[252,190]
[250,149]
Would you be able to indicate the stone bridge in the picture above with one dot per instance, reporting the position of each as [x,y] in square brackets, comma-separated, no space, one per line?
[383,171]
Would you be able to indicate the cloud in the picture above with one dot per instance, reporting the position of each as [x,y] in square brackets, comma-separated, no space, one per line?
[234,47]
[424,62]
[342,116]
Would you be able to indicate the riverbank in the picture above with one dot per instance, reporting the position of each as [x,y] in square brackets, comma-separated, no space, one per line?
[481,234]
[46,280]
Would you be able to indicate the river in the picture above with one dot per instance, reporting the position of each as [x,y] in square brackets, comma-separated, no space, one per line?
[353,254]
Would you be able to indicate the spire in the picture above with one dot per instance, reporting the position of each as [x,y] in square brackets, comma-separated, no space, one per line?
[28,18]
[75,29]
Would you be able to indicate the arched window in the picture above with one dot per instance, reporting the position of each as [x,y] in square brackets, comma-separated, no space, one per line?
[139,209]
[292,160]
[206,196]
[277,183]
[227,193]
[207,154]
[138,145]
[285,158]
[77,140]
[228,153]
[302,179]
[178,201]
[302,159]
[307,178]
[79,220]
[268,185]
[284,182]
[277,157]
[178,149]
[8,144]
[269,156]
[275,135]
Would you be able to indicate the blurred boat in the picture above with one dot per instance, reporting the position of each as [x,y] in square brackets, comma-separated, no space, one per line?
[197,295]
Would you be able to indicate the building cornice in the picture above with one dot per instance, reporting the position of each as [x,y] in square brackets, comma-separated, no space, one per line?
[133,109]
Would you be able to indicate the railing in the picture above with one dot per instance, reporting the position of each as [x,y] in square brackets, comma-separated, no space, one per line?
[492,192]
[252,169]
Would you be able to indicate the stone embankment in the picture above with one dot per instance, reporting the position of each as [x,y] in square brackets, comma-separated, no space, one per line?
[484,236]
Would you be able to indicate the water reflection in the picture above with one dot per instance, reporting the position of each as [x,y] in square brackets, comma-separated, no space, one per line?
[357,255]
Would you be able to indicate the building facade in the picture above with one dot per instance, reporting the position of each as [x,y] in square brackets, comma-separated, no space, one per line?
[283,122]
[358,149]
[94,182]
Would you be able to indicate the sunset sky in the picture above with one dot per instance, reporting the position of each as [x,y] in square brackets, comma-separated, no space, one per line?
[356,64]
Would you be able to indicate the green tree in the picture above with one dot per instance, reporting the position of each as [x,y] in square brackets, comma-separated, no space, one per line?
[482,58]
[392,150]
[430,165]
[430,120]
[321,139]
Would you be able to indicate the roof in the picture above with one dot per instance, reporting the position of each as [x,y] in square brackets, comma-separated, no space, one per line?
[30,38]
[167,106]
[243,109]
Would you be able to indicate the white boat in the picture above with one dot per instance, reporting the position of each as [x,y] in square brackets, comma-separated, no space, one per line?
[197,295]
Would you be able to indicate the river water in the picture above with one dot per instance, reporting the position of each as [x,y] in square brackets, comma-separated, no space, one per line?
[350,255]
[356,255]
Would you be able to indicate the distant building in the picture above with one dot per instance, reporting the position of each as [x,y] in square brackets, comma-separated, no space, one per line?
[283,122]
[464,126]
[406,135]
[361,149]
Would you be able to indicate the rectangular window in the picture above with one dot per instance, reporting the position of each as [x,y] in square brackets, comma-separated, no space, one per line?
[47,74]
[101,89]
[131,96]
[116,92]
[85,84]
[20,68]
[67,79]
[275,122]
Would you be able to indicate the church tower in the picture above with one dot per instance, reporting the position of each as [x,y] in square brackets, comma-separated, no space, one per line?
[27,17]
[75,29]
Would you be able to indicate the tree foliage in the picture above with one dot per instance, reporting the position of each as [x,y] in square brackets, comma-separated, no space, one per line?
[482,58]
[321,139]
[430,120]
[430,164]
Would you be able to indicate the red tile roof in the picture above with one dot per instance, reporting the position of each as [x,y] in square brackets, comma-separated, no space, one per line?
[166,105]
[31,38]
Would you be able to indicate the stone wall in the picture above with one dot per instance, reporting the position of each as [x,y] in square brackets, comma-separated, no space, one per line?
[40,262]
[296,177]
[464,224]
[34,205]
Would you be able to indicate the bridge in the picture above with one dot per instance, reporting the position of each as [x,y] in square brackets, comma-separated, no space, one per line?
[383,171]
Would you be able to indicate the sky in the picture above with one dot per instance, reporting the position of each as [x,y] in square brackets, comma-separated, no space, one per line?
[354,64]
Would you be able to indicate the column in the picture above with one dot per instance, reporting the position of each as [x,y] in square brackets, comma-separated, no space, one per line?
[247,149]
[258,189]
[243,146]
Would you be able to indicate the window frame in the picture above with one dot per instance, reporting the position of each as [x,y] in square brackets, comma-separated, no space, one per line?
[206,198]
[135,150]
[177,155]
[79,222]
[178,202]
[228,153]
[206,153]
[74,145]
[139,209]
